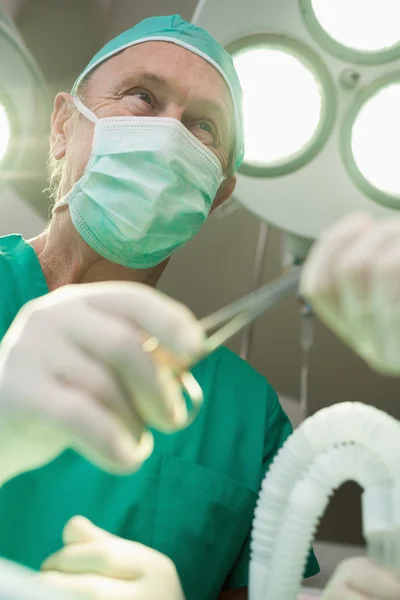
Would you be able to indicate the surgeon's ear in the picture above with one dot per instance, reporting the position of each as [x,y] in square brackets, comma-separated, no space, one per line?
[225,191]
[59,120]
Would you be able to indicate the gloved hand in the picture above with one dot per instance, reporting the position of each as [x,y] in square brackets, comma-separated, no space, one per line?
[97,565]
[352,279]
[72,363]
[361,579]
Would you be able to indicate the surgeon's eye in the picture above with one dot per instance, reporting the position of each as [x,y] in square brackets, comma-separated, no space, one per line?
[141,102]
[205,132]
[206,127]
[142,96]
[145,97]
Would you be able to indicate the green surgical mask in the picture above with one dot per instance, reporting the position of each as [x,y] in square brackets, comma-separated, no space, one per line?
[148,187]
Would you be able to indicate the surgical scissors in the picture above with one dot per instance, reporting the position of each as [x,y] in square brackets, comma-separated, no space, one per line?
[220,326]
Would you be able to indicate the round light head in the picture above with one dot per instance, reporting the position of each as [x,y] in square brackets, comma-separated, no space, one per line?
[4,131]
[372,142]
[285,104]
[23,112]
[365,31]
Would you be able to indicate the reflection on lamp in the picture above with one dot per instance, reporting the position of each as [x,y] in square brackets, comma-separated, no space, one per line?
[376,140]
[363,25]
[282,104]
[4,132]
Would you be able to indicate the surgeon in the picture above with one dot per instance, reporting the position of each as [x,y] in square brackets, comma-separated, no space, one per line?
[146,145]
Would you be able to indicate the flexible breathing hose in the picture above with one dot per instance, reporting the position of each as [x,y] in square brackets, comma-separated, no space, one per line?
[340,424]
[307,503]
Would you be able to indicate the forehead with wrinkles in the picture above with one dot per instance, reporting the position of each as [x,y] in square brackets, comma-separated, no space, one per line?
[172,73]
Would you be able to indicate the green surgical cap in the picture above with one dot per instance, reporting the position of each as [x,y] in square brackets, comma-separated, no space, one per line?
[174,29]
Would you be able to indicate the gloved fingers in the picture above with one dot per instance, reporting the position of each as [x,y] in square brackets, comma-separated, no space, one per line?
[376,582]
[90,587]
[79,529]
[119,346]
[354,272]
[109,555]
[169,321]
[96,432]
[320,283]
[385,303]
[120,461]
[73,367]
[99,558]
[357,263]
[364,578]
[122,558]
[319,272]
[341,591]
[93,555]
[357,275]
[166,392]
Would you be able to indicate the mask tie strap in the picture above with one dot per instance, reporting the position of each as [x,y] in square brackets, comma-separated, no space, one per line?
[84,110]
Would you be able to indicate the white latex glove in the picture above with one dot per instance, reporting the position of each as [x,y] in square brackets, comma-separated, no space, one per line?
[361,579]
[99,566]
[352,278]
[72,363]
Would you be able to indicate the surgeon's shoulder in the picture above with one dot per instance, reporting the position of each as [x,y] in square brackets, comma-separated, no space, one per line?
[9,296]
[223,363]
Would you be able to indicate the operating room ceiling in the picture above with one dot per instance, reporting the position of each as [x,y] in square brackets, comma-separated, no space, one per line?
[216,267]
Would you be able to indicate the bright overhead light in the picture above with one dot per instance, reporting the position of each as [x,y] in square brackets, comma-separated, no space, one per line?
[365,26]
[282,105]
[375,141]
[352,160]
[4,132]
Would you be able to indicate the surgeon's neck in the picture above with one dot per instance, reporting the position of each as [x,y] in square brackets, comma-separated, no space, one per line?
[66,259]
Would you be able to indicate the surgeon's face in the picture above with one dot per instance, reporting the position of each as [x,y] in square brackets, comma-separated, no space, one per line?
[157,79]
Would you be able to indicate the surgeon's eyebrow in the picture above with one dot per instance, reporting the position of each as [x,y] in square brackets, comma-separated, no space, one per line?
[142,78]
[203,105]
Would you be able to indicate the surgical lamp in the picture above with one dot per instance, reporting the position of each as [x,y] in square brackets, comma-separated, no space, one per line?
[357,31]
[281,135]
[24,110]
[320,89]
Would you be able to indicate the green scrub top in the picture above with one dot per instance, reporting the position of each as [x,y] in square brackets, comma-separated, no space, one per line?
[193,500]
